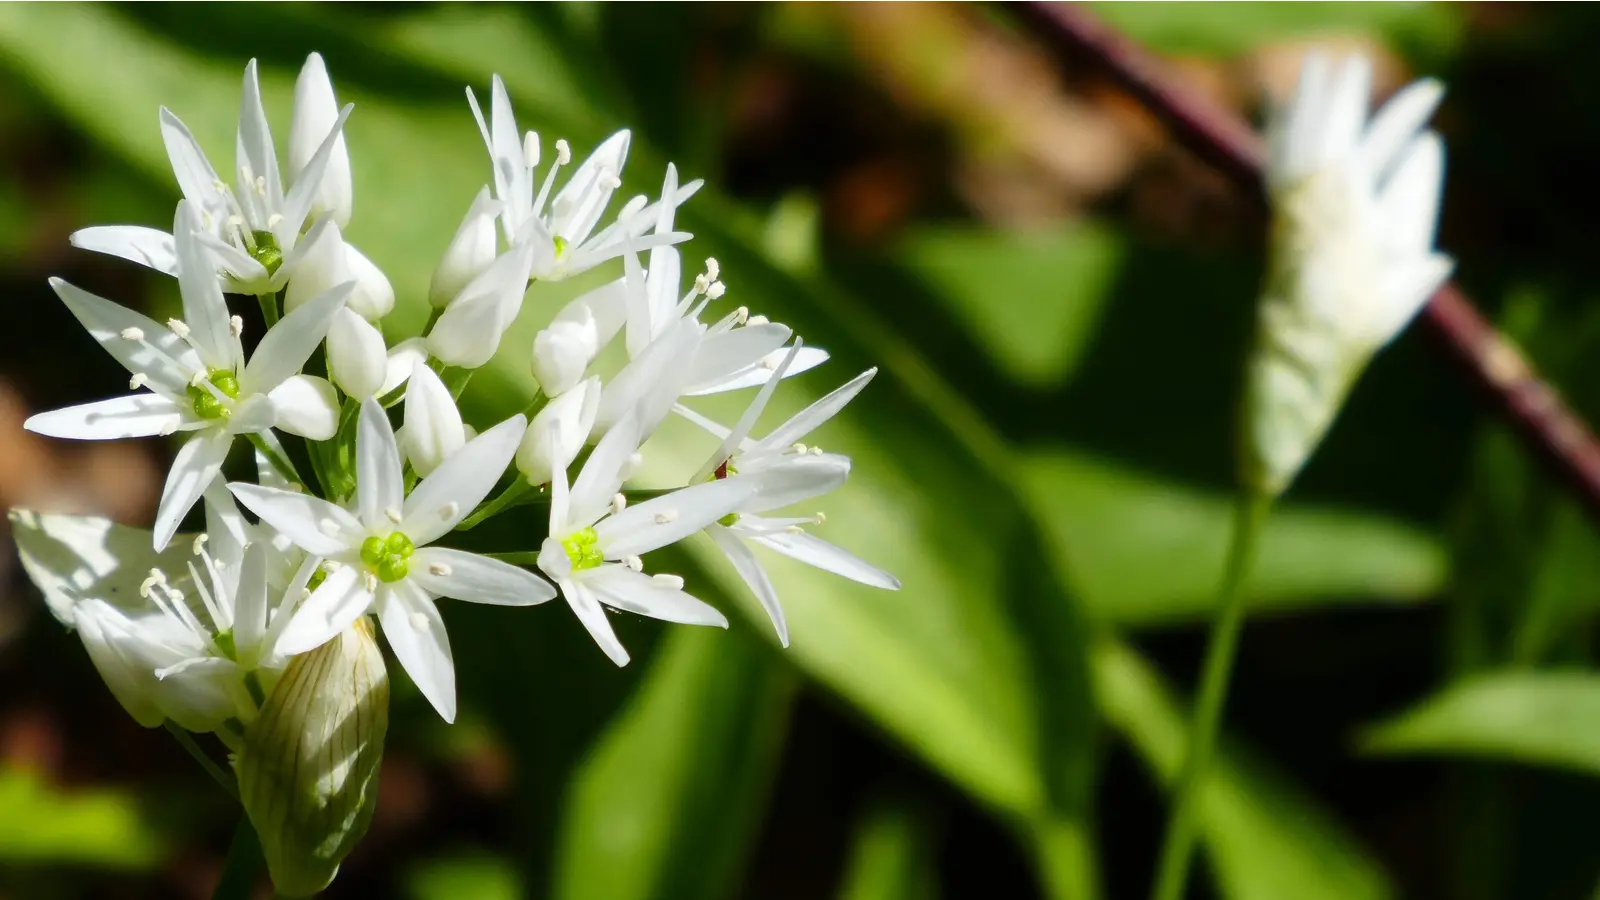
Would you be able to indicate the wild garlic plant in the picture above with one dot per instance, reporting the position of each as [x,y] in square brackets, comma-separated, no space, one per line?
[261,627]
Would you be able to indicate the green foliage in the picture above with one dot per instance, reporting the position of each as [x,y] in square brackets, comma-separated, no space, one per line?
[893,856]
[100,827]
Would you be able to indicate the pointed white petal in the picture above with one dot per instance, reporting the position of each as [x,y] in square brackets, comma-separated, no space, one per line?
[455,489]
[433,426]
[761,372]
[636,592]
[288,344]
[378,479]
[196,178]
[134,415]
[814,551]
[601,476]
[256,154]
[106,322]
[1346,112]
[198,461]
[146,246]
[320,264]
[477,579]
[297,205]
[335,605]
[314,524]
[747,420]
[469,331]
[415,631]
[593,616]
[205,311]
[1409,200]
[315,112]
[131,683]
[470,251]
[722,354]
[558,432]
[795,479]
[749,568]
[1396,124]
[656,523]
[306,405]
[809,419]
[587,192]
[250,605]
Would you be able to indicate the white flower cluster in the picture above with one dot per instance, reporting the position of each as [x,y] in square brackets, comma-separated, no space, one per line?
[200,632]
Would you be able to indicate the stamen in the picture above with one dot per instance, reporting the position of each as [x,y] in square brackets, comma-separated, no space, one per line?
[199,543]
[756,320]
[712,268]
[236,325]
[634,563]
[157,577]
[821,517]
[609,180]
[440,569]
[667,581]
[179,328]
[794,529]
[132,334]
[716,290]
[449,510]
[741,315]
[798,448]
[666,516]
[261,185]
[138,380]
[633,207]
[816,451]
[273,220]
[563,152]
[701,282]
[530,149]
[618,503]
[370,581]
[393,515]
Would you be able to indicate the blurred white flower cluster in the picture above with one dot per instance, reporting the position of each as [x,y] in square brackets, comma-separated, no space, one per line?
[257,628]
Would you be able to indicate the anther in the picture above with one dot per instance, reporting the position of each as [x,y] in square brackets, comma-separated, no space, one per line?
[440,569]
[328,527]
[794,529]
[716,290]
[701,282]
[816,451]
[634,563]
[420,622]
[157,577]
[712,268]
[199,543]
[563,152]
[273,220]
[667,581]
[798,448]
[393,515]
[236,325]
[197,379]
[618,503]
[370,581]
[530,149]
[741,315]
[261,185]
[449,510]
[757,320]
[132,334]
[666,515]
[820,517]
[138,380]
[609,180]
[178,328]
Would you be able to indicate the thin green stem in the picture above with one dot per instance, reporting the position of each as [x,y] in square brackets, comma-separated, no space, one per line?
[276,457]
[508,498]
[217,773]
[433,319]
[243,864]
[269,308]
[1178,847]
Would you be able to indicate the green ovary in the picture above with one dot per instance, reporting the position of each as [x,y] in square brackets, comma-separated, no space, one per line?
[388,557]
[583,549]
[208,405]
[267,252]
[561,246]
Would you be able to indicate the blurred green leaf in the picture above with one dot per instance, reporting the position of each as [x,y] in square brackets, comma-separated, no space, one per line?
[697,743]
[1540,718]
[1150,552]
[1220,29]
[1032,297]
[479,876]
[1265,838]
[40,823]
[893,857]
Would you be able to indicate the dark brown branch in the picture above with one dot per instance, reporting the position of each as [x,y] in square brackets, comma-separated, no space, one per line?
[1225,141]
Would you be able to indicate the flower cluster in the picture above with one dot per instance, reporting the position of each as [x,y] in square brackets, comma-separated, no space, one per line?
[258,628]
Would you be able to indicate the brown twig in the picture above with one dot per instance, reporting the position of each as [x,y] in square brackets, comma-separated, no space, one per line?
[1494,364]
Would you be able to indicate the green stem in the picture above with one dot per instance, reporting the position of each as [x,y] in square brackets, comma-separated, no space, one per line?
[433,319]
[507,499]
[243,864]
[1178,847]
[275,456]
[186,741]
[269,308]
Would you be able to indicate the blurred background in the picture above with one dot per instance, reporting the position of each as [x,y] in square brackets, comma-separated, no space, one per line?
[1058,298]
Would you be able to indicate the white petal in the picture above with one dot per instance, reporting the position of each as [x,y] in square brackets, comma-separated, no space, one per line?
[433,427]
[106,322]
[761,372]
[470,251]
[656,523]
[455,489]
[586,193]
[722,354]
[403,357]
[649,385]
[747,420]
[514,183]
[256,154]
[198,461]
[606,306]
[795,479]
[749,568]
[415,631]
[477,579]
[814,551]
[131,683]
[809,419]
[335,605]
[314,524]
[593,616]
[1396,124]
[379,487]
[253,413]
[136,243]
[558,432]
[250,605]
[1346,112]
[306,405]
[636,592]
[373,296]
[205,311]
[1406,289]
[601,476]
[196,178]
[287,345]
[297,205]
[320,264]
[1409,200]
[315,112]
[357,358]
[562,353]
[134,415]
[469,331]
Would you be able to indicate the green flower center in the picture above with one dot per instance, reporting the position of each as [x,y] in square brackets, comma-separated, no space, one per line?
[583,549]
[267,252]
[225,643]
[388,557]
[729,520]
[318,576]
[561,246]
[207,405]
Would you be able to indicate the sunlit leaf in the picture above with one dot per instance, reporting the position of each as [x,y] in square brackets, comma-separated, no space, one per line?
[40,823]
[893,857]
[476,875]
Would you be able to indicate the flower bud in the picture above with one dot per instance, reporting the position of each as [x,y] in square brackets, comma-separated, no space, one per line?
[469,331]
[470,251]
[403,357]
[321,265]
[542,452]
[373,296]
[315,112]
[308,767]
[357,358]
[562,352]
[307,406]
[433,428]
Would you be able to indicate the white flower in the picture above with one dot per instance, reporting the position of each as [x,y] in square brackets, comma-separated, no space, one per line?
[1352,261]
[433,427]
[787,472]
[469,331]
[381,549]
[199,382]
[469,253]
[561,229]
[326,260]
[592,553]
[254,226]
[558,432]
[563,350]
[357,359]
[403,358]
[315,112]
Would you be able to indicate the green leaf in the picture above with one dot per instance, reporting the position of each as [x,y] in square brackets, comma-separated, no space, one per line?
[479,876]
[1266,839]
[40,823]
[1220,29]
[1539,718]
[1148,552]
[697,743]
[893,857]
